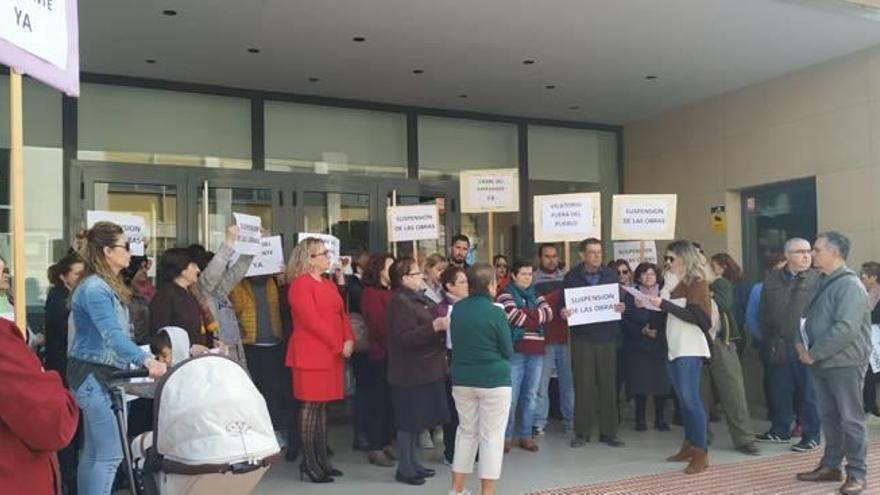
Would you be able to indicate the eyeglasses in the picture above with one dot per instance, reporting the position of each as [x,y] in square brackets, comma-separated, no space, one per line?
[126,246]
[501,265]
[322,253]
[623,272]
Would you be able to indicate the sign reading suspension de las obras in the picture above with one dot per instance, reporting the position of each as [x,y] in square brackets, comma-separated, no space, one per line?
[40,38]
[642,217]
[567,217]
[413,223]
[249,233]
[492,190]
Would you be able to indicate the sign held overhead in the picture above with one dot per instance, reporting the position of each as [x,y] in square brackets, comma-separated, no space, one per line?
[493,190]
[637,217]
[567,217]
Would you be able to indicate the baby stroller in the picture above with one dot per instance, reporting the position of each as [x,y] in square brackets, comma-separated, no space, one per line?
[211,432]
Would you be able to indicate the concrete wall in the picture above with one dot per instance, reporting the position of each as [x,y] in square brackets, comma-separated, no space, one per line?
[823,121]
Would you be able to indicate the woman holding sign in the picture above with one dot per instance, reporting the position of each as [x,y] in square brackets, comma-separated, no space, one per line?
[317,351]
[686,301]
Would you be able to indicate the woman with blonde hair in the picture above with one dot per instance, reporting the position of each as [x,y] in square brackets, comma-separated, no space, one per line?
[687,302]
[321,342]
[433,268]
[102,345]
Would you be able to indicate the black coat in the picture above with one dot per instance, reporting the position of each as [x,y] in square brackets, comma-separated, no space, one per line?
[57,311]
[645,358]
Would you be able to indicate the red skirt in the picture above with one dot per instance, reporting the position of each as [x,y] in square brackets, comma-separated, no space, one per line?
[322,385]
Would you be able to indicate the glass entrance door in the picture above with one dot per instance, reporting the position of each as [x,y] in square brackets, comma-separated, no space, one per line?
[160,201]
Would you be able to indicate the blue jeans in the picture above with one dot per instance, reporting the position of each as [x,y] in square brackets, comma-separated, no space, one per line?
[556,356]
[525,376]
[684,372]
[101,452]
[787,381]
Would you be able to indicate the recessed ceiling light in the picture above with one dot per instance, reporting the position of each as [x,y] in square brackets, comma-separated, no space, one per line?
[418,71]
[253,50]
[550,86]
[528,62]
[313,79]
[462,95]
[574,107]
[169,13]
[359,39]
[650,77]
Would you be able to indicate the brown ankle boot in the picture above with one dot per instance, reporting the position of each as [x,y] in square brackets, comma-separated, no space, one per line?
[699,461]
[683,455]
[528,444]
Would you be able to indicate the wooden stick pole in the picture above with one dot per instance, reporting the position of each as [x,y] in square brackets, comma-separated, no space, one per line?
[567,248]
[641,251]
[393,203]
[491,237]
[416,252]
[16,172]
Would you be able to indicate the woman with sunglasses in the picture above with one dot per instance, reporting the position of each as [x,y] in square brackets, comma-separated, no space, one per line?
[686,300]
[502,271]
[321,342]
[624,271]
[102,345]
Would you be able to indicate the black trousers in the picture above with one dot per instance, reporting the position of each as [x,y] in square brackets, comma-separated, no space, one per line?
[273,380]
[379,410]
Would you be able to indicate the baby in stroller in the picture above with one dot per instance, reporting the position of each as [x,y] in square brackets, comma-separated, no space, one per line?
[211,430]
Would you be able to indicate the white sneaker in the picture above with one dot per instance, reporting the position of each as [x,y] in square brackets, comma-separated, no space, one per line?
[465,492]
[872,420]
[425,441]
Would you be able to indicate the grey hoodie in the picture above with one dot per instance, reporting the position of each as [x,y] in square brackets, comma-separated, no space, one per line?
[838,322]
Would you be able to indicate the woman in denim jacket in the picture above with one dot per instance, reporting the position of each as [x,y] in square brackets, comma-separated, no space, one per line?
[101,345]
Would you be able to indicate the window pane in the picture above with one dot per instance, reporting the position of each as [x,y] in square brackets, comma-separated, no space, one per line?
[447,146]
[43,190]
[346,216]
[136,125]
[223,202]
[156,204]
[323,140]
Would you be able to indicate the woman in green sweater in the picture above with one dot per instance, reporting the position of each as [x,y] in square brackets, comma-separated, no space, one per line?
[482,349]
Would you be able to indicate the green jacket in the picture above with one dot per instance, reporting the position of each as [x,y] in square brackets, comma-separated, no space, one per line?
[838,322]
[481,345]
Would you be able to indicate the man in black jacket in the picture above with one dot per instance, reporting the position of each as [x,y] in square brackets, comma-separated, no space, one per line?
[594,354]
[786,292]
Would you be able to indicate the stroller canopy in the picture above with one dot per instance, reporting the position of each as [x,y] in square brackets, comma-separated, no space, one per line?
[208,412]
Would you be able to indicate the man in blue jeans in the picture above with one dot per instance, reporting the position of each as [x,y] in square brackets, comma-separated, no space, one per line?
[785,294]
[557,357]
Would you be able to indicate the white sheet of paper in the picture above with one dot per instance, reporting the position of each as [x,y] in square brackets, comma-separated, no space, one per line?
[270,260]
[8,316]
[134,227]
[646,303]
[449,331]
[592,304]
[804,336]
[875,348]
[249,235]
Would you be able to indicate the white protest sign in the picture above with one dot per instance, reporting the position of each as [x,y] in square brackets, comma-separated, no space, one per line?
[636,217]
[413,223]
[40,38]
[592,304]
[483,191]
[643,298]
[37,26]
[331,243]
[631,251]
[249,235]
[567,217]
[270,260]
[875,348]
[134,227]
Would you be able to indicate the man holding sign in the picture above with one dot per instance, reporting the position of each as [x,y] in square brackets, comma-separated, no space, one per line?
[593,344]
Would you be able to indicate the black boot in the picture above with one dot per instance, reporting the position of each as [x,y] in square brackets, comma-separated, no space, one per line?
[640,413]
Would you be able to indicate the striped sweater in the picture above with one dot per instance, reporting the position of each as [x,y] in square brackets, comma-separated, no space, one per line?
[530,320]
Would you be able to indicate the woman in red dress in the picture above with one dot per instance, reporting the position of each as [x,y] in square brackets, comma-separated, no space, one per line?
[322,340]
